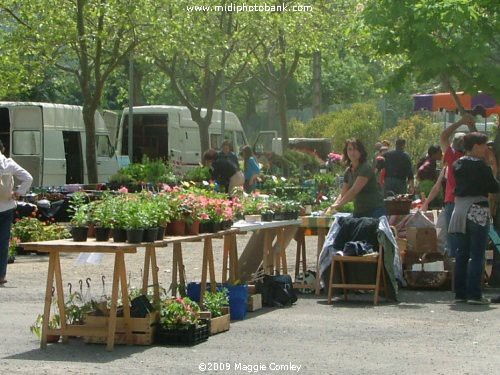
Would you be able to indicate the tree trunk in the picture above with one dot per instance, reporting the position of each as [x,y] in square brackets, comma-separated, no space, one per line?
[316,84]
[89,120]
[283,121]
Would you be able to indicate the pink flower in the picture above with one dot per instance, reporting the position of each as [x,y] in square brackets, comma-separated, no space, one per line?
[123,190]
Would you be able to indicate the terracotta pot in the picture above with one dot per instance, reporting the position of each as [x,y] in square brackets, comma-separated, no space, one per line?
[53,338]
[176,228]
[193,228]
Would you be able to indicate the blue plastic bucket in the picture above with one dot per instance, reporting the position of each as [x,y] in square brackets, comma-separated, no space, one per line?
[238,297]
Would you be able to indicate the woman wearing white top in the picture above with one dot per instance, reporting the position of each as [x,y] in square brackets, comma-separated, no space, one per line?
[9,169]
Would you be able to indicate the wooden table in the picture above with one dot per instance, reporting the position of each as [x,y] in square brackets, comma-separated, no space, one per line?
[260,250]
[55,248]
[178,269]
[310,225]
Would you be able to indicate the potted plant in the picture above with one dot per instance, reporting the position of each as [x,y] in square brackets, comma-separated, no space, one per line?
[135,220]
[217,303]
[118,222]
[101,215]
[80,219]
[54,323]
[179,323]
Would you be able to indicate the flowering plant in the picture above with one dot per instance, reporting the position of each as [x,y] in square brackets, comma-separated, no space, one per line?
[334,158]
[179,313]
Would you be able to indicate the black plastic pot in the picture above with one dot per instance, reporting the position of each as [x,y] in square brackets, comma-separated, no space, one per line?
[79,234]
[135,235]
[102,234]
[119,235]
[150,234]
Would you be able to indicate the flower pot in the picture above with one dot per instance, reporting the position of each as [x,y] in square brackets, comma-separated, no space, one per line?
[193,228]
[79,234]
[226,224]
[214,227]
[51,339]
[267,216]
[252,218]
[119,235]
[176,228]
[278,216]
[160,234]
[102,234]
[135,235]
[150,234]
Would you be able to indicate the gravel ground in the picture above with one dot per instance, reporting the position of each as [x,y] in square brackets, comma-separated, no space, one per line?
[423,333]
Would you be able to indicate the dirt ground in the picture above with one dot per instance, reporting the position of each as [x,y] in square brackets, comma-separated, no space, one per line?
[425,332]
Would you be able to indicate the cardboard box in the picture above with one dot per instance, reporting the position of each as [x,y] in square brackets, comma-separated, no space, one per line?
[254,302]
[421,240]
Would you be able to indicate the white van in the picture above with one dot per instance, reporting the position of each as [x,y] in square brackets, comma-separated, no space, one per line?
[169,133]
[49,141]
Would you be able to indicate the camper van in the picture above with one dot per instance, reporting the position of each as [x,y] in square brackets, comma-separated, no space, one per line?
[169,133]
[48,140]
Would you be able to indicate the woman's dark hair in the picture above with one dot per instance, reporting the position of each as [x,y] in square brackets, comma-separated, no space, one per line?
[247,153]
[210,155]
[474,138]
[358,145]
[433,149]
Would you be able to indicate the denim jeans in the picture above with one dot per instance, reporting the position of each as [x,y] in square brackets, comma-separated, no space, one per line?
[468,274]
[376,213]
[451,245]
[5,225]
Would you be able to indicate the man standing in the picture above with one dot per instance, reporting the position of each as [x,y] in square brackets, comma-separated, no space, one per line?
[8,170]
[398,171]
[453,152]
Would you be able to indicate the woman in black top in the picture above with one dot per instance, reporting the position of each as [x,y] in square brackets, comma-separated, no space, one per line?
[470,220]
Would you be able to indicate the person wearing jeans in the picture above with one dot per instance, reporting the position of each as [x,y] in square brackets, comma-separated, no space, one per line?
[470,220]
[9,169]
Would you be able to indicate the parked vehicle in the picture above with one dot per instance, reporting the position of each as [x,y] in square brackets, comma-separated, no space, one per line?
[169,133]
[49,141]
[269,142]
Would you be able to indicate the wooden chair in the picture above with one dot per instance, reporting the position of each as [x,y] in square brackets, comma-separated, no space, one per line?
[380,282]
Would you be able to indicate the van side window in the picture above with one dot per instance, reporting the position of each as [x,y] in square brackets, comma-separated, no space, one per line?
[103,146]
[240,140]
[215,141]
[26,142]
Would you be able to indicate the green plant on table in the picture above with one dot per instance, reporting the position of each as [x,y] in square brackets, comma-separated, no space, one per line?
[179,313]
[215,301]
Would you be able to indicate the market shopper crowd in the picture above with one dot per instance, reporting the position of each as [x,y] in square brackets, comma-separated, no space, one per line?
[468,173]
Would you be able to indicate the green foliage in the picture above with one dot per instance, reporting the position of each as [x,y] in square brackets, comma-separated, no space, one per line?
[178,313]
[36,327]
[29,229]
[361,120]
[419,133]
[198,174]
[149,171]
[440,39]
[215,301]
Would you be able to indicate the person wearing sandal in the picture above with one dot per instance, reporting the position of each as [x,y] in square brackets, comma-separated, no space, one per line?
[9,170]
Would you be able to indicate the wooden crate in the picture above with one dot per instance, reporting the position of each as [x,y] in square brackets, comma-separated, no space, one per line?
[219,323]
[143,329]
